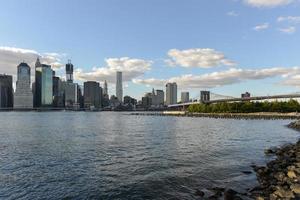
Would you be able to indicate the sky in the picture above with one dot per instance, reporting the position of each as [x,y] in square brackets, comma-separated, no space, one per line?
[228,46]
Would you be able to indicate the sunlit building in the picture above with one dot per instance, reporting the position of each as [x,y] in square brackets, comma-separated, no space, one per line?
[23,97]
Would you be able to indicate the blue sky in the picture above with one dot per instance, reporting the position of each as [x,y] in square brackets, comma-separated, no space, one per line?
[91,31]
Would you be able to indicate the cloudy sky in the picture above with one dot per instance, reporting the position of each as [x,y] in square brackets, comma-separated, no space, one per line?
[227,46]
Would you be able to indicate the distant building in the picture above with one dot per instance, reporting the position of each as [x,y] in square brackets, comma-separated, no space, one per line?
[105,89]
[6,91]
[204,96]
[185,97]
[146,102]
[92,95]
[246,95]
[23,97]
[69,72]
[58,92]
[157,98]
[43,93]
[114,101]
[171,93]
[119,87]
[129,100]
[71,95]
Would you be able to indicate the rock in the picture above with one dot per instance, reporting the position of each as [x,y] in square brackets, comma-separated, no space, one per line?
[260,198]
[271,151]
[291,174]
[280,176]
[199,193]
[229,194]
[284,193]
[247,172]
[295,188]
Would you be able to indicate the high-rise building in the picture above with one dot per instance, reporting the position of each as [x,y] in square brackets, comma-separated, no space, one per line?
[171,93]
[105,89]
[23,97]
[58,92]
[6,91]
[185,97]
[92,95]
[43,93]
[246,95]
[69,72]
[119,87]
[160,97]
[71,95]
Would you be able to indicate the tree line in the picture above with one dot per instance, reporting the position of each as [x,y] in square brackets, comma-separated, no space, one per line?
[247,107]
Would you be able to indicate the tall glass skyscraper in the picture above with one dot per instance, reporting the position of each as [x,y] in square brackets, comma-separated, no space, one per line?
[23,96]
[43,85]
[119,87]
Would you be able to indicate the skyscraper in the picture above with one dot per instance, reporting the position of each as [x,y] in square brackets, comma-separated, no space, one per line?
[69,72]
[119,87]
[185,97]
[171,93]
[92,94]
[6,91]
[105,90]
[23,97]
[43,93]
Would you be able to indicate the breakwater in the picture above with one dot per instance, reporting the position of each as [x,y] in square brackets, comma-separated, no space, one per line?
[261,115]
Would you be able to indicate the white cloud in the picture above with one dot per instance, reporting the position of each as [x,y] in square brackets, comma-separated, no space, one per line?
[268,3]
[292,81]
[131,68]
[11,57]
[217,79]
[202,58]
[261,27]
[290,19]
[288,30]
[232,14]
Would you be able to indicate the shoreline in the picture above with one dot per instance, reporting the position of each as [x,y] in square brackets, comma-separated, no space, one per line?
[260,115]
[280,177]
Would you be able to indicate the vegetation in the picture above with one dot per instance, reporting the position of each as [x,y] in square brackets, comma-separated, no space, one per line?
[247,107]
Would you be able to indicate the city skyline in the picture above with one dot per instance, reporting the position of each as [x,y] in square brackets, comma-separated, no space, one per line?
[236,49]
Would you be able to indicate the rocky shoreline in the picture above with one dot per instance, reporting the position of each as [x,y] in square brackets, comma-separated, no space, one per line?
[279,179]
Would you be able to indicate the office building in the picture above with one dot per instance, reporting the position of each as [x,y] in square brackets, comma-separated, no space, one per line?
[204,96]
[160,97]
[171,93]
[92,95]
[6,91]
[119,87]
[43,93]
[69,72]
[71,96]
[58,92]
[185,97]
[105,89]
[246,95]
[23,97]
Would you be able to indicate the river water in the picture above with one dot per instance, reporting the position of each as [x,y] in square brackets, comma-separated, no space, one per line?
[107,155]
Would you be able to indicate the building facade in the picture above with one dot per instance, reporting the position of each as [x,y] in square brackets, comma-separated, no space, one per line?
[69,72]
[119,87]
[43,93]
[185,97]
[92,95]
[171,93]
[6,91]
[23,97]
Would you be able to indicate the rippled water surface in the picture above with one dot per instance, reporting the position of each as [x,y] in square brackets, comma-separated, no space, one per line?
[106,155]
